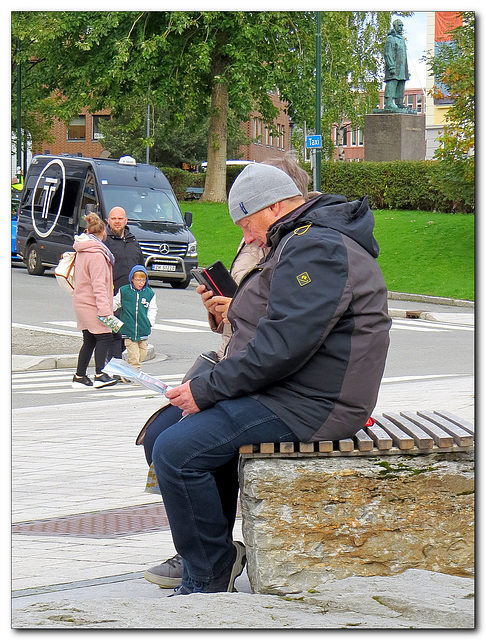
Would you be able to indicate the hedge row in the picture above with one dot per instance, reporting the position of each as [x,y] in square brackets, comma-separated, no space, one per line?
[407,185]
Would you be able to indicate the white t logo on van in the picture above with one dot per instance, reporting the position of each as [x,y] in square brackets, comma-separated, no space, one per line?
[50,187]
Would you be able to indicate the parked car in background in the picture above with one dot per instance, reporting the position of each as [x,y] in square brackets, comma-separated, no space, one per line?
[60,190]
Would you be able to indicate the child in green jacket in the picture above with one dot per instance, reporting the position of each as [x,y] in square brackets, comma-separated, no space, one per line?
[138,311]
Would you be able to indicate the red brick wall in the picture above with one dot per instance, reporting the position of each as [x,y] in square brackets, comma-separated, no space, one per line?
[89,147]
[267,147]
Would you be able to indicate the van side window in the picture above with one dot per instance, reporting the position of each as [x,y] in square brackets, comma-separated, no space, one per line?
[47,199]
[90,196]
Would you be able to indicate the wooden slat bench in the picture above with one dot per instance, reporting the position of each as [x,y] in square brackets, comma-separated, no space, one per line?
[398,495]
[410,433]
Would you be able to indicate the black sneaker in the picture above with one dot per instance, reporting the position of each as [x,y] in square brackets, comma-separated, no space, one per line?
[168,574]
[181,590]
[224,582]
[81,381]
[103,380]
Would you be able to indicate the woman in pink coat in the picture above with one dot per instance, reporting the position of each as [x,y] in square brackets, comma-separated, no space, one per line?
[93,296]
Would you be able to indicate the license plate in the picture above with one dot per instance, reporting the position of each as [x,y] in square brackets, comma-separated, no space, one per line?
[164,267]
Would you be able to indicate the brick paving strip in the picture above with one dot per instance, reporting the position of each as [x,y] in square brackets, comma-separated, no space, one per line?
[100,524]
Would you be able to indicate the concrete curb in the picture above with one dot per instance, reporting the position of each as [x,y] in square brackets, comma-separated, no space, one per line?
[417,297]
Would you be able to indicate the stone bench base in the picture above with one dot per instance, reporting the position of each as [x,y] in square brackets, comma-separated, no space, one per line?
[310,519]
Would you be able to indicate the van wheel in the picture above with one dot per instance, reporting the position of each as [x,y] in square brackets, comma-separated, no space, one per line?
[180,284]
[33,261]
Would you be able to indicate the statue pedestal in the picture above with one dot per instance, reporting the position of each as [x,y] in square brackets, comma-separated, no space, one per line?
[394,136]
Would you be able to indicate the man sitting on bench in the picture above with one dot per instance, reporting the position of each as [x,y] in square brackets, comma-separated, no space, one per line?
[311,333]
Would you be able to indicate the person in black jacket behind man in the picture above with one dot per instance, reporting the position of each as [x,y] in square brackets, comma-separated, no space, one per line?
[124,246]
[305,361]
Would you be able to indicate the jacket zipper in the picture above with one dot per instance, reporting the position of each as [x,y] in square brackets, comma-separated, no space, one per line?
[136,319]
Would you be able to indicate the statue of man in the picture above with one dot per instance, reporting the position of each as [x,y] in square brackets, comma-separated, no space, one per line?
[396,68]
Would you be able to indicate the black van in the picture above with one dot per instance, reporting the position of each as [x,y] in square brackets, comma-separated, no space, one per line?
[60,190]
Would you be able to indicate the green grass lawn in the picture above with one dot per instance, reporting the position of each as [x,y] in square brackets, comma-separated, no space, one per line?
[420,252]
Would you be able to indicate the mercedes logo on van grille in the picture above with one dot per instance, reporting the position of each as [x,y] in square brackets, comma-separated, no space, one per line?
[164,248]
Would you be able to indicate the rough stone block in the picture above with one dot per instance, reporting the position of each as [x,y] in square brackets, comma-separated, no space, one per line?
[309,521]
[394,136]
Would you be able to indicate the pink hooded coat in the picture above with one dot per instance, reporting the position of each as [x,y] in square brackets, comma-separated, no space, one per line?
[93,288]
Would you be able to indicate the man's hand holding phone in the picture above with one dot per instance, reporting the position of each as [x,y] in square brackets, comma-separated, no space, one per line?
[216,305]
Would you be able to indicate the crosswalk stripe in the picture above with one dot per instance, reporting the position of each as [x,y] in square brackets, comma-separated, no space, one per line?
[34,375]
[192,326]
[394,327]
[168,327]
[426,325]
[59,382]
[417,378]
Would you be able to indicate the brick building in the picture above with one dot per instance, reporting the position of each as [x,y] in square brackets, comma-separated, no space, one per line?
[266,142]
[82,135]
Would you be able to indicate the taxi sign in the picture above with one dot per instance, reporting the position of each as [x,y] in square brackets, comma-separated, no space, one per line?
[313,142]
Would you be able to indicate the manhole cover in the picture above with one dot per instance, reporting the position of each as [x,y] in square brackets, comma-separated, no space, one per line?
[102,524]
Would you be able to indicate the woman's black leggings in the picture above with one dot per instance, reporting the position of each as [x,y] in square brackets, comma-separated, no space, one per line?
[97,342]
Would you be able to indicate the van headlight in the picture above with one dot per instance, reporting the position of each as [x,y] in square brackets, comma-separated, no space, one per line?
[192,249]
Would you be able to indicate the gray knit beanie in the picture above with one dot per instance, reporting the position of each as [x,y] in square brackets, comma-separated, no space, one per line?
[257,187]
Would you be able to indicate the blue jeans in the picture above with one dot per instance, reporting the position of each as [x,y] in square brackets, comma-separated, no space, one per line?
[186,456]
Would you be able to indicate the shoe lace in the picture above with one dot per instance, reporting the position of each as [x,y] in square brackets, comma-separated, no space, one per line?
[176,560]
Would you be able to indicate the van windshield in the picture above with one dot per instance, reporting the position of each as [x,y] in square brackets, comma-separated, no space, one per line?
[149,205]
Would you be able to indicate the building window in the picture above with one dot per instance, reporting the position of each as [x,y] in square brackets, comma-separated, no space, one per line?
[360,137]
[77,128]
[97,135]
[419,103]
[257,130]
[282,137]
[410,101]
[353,137]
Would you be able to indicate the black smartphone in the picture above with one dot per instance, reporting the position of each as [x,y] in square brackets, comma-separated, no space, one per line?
[216,278]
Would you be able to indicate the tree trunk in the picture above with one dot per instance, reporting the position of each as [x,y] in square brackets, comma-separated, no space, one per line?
[215,186]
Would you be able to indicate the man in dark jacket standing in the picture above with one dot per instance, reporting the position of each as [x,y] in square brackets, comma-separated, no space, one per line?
[310,338]
[124,246]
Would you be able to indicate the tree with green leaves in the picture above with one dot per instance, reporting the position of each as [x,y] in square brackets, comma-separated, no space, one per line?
[170,144]
[454,69]
[201,64]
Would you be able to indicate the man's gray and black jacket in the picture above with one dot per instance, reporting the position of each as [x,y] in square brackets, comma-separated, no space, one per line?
[311,325]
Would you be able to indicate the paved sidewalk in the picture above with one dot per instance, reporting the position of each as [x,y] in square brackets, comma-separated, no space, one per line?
[82,459]
[74,460]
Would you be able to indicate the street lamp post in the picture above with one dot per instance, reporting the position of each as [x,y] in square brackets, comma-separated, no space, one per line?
[317,173]
[19,116]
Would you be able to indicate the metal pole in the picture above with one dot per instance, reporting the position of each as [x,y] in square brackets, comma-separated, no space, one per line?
[305,138]
[317,179]
[19,116]
[148,133]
